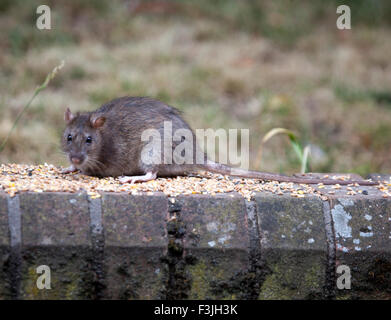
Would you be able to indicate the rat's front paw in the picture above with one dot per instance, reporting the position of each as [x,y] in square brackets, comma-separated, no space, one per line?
[125,179]
[69,169]
[133,179]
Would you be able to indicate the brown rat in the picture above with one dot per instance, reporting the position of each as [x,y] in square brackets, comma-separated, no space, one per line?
[109,142]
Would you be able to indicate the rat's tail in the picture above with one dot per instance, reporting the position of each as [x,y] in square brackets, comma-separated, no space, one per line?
[237,172]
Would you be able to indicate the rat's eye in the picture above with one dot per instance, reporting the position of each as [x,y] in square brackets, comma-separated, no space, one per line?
[69,138]
[88,140]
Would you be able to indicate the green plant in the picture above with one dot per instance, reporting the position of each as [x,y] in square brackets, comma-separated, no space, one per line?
[48,78]
[302,153]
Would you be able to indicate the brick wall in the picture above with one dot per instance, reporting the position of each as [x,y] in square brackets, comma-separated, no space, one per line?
[123,246]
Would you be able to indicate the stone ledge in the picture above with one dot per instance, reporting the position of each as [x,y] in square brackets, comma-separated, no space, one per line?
[150,246]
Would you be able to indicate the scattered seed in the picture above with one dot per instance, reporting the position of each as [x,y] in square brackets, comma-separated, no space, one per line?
[16,178]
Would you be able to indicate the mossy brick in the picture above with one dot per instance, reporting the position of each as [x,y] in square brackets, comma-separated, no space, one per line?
[219,274]
[216,241]
[55,233]
[133,273]
[57,219]
[362,227]
[291,223]
[71,276]
[134,220]
[4,228]
[4,275]
[294,246]
[214,233]
[218,221]
[4,247]
[135,241]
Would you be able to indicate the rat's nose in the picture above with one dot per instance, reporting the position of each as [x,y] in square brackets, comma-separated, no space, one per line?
[76,160]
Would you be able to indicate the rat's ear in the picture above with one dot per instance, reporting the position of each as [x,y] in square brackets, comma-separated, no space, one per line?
[68,116]
[97,121]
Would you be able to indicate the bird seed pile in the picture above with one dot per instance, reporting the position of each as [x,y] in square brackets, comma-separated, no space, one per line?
[16,178]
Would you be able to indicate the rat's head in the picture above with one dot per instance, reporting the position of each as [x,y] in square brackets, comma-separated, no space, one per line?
[82,138]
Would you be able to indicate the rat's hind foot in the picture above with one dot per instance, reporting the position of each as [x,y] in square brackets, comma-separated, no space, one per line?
[132,179]
[69,169]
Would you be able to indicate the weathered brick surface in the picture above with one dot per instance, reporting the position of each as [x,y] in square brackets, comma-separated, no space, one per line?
[4,277]
[362,228]
[70,268]
[134,220]
[204,249]
[219,274]
[133,273]
[4,230]
[55,232]
[55,219]
[215,222]
[135,236]
[4,247]
[293,246]
[216,240]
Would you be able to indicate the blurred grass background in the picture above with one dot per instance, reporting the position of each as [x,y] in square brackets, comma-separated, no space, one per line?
[224,63]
